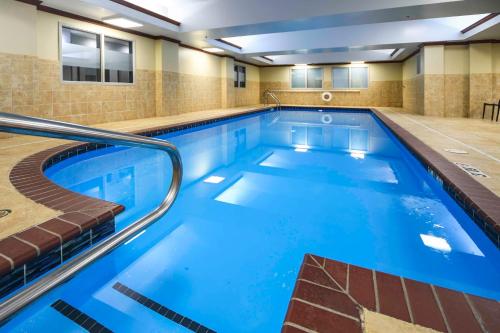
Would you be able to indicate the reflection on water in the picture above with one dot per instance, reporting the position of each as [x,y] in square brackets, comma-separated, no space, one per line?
[260,192]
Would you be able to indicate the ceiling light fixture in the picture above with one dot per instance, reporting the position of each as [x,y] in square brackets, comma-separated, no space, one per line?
[122,22]
[357,62]
[213,49]
[300,65]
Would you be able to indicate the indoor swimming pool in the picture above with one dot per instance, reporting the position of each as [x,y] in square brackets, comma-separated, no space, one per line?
[259,192]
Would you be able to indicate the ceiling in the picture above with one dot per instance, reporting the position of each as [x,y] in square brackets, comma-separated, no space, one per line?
[302,31]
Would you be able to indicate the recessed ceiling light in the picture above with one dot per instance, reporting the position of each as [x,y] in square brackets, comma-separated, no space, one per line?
[213,50]
[357,62]
[214,179]
[122,22]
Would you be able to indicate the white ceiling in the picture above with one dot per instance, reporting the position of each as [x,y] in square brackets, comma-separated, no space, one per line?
[304,31]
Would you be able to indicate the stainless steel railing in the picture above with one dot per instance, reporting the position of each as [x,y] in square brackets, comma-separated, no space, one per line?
[267,93]
[54,129]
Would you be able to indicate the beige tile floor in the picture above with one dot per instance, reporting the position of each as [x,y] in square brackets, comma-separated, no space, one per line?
[480,138]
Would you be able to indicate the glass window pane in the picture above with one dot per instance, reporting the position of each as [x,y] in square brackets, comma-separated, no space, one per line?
[235,76]
[118,60]
[81,55]
[359,77]
[315,78]
[298,77]
[340,77]
[242,76]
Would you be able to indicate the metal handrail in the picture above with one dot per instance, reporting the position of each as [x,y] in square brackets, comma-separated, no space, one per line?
[55,129]
[268,92]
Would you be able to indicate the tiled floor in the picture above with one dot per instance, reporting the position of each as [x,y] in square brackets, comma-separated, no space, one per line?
[480,138]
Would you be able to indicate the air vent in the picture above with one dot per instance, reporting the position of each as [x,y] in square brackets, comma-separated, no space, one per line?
[471,170]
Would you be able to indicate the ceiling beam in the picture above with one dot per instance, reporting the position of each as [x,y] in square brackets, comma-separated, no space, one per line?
[403,13]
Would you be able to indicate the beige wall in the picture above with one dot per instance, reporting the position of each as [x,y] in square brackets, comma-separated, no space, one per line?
[169,79]
[384,89]
[456,80]
[456,59]
[17,26]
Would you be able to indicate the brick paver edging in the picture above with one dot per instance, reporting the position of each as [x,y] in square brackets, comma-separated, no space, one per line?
[330,296]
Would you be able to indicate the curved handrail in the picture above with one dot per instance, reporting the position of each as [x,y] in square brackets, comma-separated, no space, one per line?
[268,92]
[55,129]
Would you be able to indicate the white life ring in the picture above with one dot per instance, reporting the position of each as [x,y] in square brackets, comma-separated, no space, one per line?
[326,96]
[326,119]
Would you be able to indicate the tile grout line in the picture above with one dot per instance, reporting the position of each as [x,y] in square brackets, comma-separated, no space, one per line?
[347,279]
[476,313]
[302,328]
[452,139]
[407,299]
[440,306]
[319,285]
[338,284]
[9,259]
[325,308]
[375,290]
[37,249]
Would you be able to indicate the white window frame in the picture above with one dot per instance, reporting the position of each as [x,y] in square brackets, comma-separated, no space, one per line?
[306,68]
[350,80]
[103,59]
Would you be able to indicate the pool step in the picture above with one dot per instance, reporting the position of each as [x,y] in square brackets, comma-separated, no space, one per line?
[162,310]
[80,318]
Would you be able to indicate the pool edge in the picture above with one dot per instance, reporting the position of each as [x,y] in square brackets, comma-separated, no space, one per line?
[476,200]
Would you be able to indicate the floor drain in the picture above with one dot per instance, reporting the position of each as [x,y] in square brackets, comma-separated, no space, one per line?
[5,212]
[471,170]
[455,151]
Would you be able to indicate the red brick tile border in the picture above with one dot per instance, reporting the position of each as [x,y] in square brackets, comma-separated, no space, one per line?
[329,296]
[80,213]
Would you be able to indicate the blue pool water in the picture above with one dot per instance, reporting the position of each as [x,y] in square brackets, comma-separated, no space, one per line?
[258,193]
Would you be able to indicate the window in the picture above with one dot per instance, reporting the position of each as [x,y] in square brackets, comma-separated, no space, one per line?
[118,62]
[82,55]
[419,63]
[240,79]
[307,78]
[355,77]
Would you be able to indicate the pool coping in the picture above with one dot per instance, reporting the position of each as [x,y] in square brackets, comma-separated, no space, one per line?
[481,204]
[82,213]
[332,296]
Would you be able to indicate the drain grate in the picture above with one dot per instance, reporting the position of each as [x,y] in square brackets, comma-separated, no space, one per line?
[471,170]
[4,212]
[456,151]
